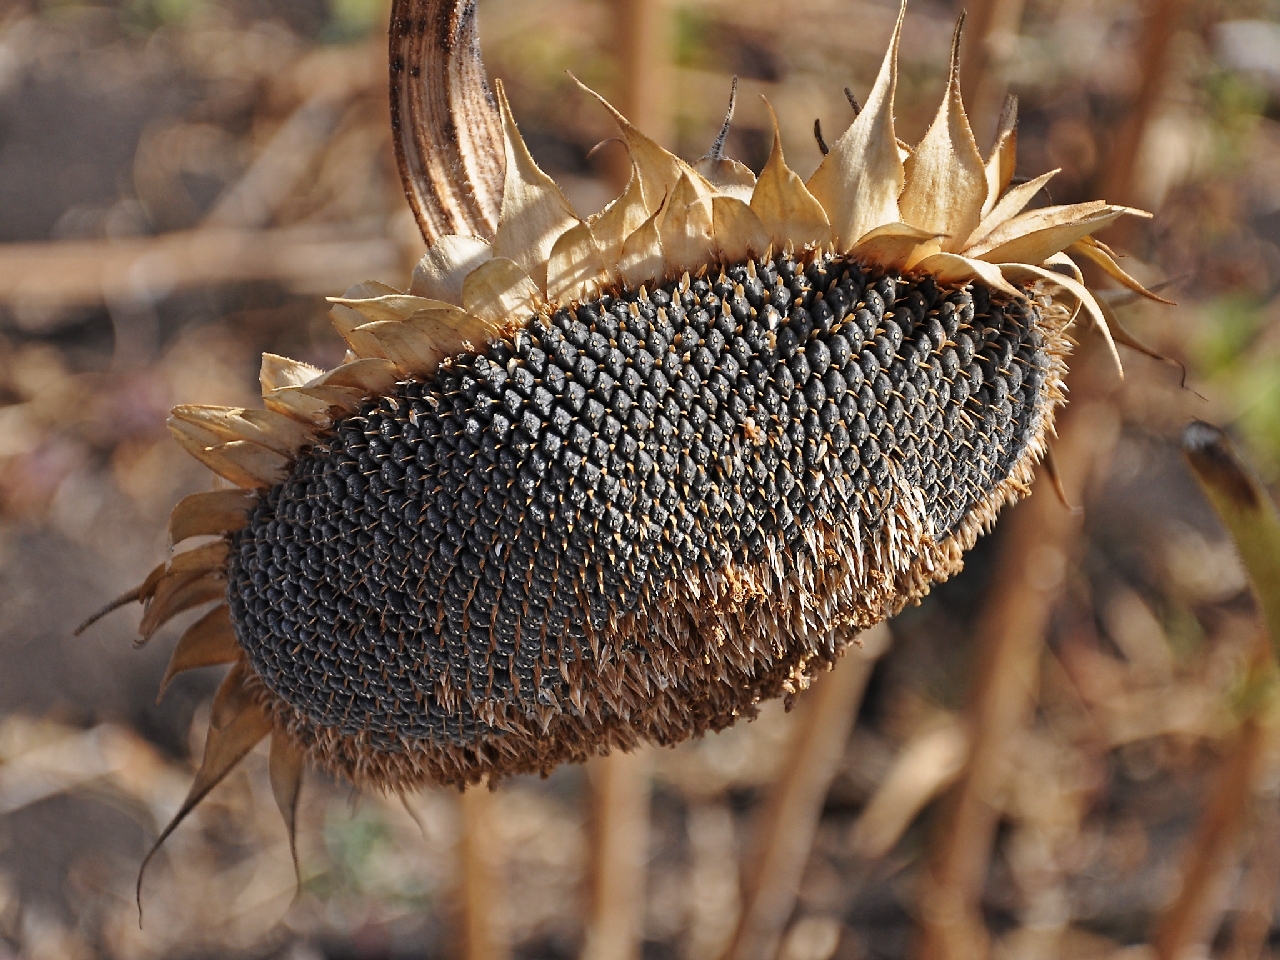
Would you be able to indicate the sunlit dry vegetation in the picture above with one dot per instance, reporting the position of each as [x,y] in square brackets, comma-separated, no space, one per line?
[1068,751]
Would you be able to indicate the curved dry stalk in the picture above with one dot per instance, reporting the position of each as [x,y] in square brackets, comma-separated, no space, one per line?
[927,764]
[444,119]
[1246,510]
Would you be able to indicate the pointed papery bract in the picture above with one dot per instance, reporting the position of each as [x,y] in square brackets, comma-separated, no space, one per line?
[392,306]
[264,427]
[925,249]
[860,180]
[621,218]
[302,406]
[894,245]
[368,376]
[344,400]
[285,768]
[1035,236]
[737,231]
[500,293]
[642,255]
[183,568]
[420,344]
[951,268]
[1009,206]
[144,593]
[1061,263]
[206,558]
[1003,159]
[1098,253]
[229,463]
[658,169]
[262,466]
[454,331]
[368,290]
[1026,275]
[534,211]
[727,176]
[945,179]
[440,272]
[237,725]
[210,513]
[208,642]
[177,594]
[685,227]
[575,269]
[345,320]
[277,372]
[1121,335]
[407,345]
[784,204]
[324,404]
[158,602]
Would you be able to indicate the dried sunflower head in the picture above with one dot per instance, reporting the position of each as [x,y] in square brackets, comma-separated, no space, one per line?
[594,482]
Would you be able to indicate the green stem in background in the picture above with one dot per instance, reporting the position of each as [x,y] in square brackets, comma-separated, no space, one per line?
[1246,509]
[1189,922]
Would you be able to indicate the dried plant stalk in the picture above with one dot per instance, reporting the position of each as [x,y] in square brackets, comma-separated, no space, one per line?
[75,272]
[992,26]
[620,781]
[620,835]
[1188,923]
[927,764]
[483,930]
[1251,518]
[1253,925]
[255,199]
[1039,537]
[641,37]
[1161,23]
[789,819]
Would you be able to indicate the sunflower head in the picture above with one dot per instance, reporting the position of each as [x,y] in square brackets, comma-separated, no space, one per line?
[592,482]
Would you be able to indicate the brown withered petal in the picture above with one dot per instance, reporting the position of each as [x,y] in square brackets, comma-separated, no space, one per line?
[945,177]
[860,180]
[784,204]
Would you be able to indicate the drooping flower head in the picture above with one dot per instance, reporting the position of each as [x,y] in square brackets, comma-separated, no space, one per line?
[593,482]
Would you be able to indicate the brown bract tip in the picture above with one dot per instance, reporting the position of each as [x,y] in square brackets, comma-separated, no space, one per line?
[1213,457]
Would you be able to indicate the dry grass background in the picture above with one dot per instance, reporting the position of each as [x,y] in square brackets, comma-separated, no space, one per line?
[1046,759]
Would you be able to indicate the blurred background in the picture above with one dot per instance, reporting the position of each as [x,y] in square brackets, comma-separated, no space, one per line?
[1046,758]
